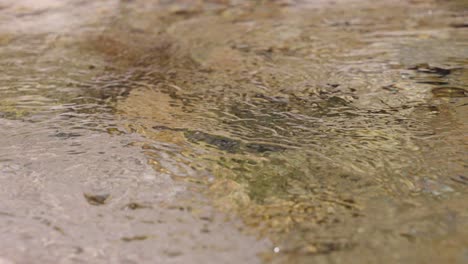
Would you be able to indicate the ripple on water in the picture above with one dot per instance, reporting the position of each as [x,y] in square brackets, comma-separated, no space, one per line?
[331,131]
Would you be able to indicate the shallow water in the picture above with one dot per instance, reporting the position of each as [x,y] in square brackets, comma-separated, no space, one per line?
[325,131]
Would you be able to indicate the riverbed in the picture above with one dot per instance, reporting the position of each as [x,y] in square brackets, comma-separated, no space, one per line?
[233,131]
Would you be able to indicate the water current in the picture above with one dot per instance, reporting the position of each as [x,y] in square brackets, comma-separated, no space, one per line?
[233,131]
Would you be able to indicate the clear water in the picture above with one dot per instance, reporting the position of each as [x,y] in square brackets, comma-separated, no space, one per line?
[334,132]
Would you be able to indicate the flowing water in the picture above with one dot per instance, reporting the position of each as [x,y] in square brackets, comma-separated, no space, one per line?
[233,131]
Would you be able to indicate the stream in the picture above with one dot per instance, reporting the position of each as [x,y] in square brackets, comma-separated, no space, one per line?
[230,131]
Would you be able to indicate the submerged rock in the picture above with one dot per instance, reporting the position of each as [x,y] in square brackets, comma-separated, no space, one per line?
[449,92]
[96,199]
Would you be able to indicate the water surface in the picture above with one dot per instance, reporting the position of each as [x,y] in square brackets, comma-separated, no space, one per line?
[334,131]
